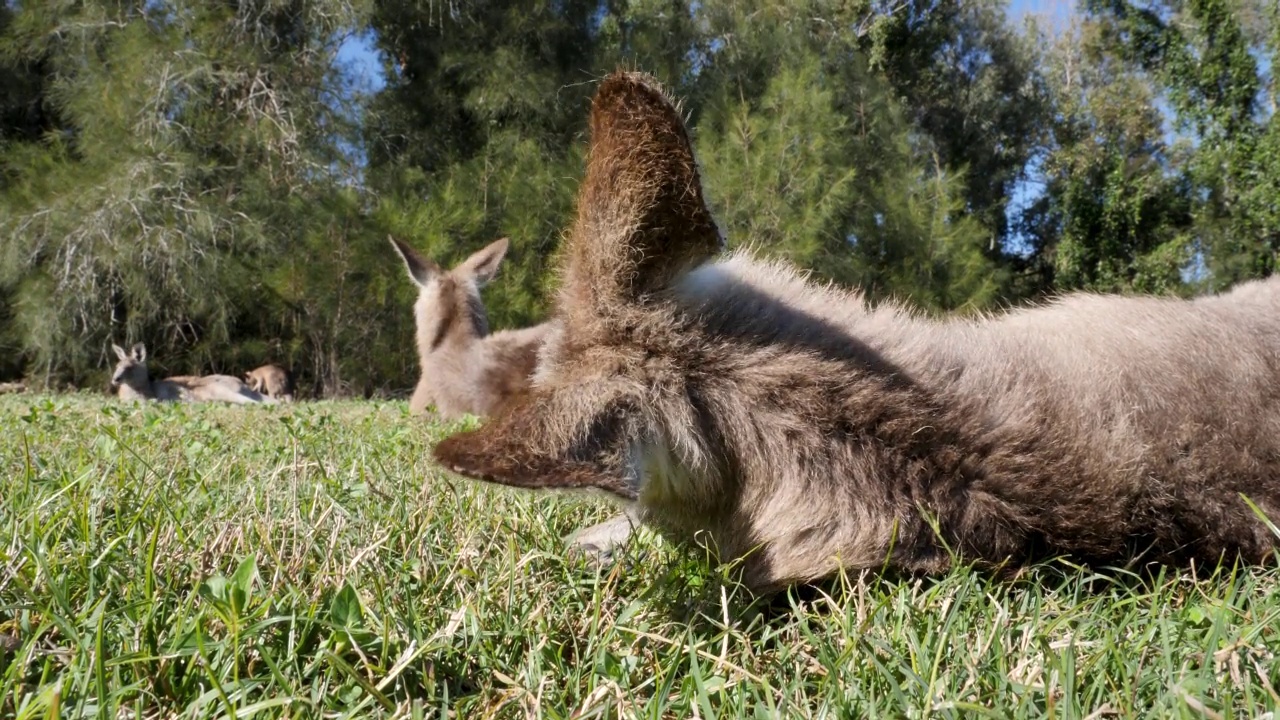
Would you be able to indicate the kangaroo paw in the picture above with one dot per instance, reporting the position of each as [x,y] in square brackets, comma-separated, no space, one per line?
[599,542]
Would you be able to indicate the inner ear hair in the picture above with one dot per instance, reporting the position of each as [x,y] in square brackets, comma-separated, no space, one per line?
[421,268]
[642,219]
[484,263]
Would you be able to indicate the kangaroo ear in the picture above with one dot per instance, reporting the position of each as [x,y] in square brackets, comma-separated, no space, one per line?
[483,265]
[641,217]
[421,269]
[139,352]
[120,353]
[519,448]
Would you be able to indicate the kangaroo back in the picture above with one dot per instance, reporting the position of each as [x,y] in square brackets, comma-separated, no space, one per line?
[218,388]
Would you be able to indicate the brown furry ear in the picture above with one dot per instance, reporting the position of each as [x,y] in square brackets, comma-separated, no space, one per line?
[641,216]
[476,455]
[512,448]
[483,263]
[421,269]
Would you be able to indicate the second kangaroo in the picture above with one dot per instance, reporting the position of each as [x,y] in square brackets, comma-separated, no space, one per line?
[465,368]
[132,381]
[272,380]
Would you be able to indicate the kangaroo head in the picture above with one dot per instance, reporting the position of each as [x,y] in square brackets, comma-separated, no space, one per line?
[131,369]
[609,408]
[449,305]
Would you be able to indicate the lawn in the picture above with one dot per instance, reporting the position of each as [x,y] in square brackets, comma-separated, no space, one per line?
[164,561]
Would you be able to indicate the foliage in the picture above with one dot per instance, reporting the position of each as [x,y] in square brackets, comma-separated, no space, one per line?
[176,140]
[204,561]
[1123,220]
[210,179]
[975,86]
[1163,171]
[808,156]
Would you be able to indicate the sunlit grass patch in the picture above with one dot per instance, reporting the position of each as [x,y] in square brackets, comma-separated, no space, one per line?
[164,560]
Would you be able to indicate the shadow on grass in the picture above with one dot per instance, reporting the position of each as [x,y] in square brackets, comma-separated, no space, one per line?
[697,591]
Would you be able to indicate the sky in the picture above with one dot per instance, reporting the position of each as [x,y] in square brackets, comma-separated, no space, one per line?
[358,54]
[1055,14]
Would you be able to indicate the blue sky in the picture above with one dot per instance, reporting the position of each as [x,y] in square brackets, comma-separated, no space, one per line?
[357,53]
[1053,13]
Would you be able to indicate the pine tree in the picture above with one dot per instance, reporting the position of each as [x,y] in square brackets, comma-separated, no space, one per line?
[1133,209]
[1118,220]
[810,156]
[973,84]
[176,141]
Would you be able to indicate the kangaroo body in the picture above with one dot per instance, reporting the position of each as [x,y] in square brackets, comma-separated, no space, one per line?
[799,428]
[271,380]
[476,375]
[131,381]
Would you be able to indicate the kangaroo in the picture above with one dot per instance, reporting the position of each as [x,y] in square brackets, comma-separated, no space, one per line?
[132,382]
[272,380]
[801,429]
[465,368]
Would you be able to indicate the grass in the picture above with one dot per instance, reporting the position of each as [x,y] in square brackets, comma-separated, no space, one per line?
[163,561]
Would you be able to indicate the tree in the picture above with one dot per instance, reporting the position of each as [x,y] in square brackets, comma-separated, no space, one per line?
[809,155]
[1114,218]
[477,133]
[173,137]
[1136,211]
[973,84]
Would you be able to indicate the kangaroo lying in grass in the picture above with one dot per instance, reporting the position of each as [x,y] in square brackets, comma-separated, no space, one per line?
[272,380]
[132,382]
[804,431]
[467,369]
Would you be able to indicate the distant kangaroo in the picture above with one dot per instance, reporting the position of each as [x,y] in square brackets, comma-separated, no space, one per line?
[465,368]
[804,430]
[272,380]
[132,382]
